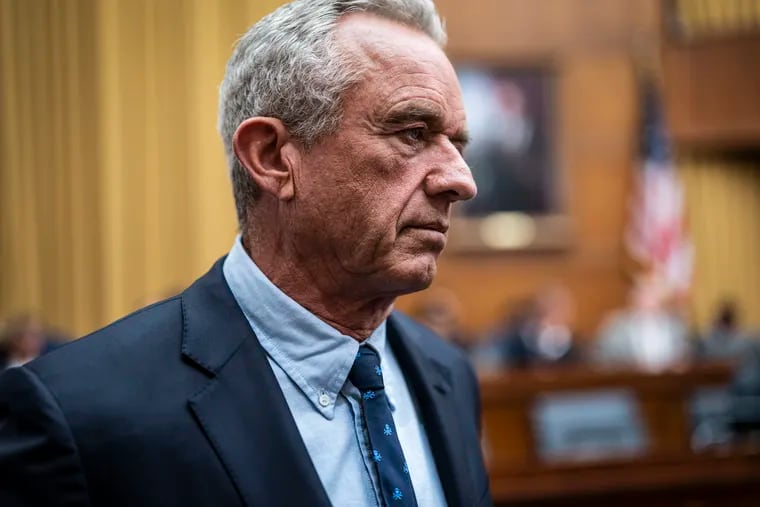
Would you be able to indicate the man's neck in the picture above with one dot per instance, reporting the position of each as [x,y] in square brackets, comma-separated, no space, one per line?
[348,313]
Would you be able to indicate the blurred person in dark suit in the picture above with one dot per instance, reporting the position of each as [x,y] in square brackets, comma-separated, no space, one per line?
[440,310]
[536,332]
[745,393]
[283,377]
[553,339]
[22,339]
[725,339]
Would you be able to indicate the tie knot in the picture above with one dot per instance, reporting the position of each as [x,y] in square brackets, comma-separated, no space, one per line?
[366,373]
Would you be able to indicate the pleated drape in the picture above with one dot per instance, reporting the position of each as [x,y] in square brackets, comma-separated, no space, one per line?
[113,184]
[723,203]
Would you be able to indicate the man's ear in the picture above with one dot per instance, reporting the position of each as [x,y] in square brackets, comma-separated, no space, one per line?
[264,147]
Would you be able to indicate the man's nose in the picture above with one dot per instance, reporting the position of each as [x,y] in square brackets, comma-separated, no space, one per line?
[452,177]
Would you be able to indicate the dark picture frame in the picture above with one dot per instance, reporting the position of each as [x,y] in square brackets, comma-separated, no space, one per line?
[512,119]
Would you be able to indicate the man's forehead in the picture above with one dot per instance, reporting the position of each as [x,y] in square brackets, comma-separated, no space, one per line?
[377,37]
[405,73]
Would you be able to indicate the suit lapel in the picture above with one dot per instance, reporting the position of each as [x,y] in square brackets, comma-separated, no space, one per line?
[242,410]
[431,384]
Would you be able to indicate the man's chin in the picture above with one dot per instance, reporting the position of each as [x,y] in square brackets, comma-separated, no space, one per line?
[415,275]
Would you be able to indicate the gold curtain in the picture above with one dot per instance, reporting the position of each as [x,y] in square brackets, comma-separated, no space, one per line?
[723,191]
[113,184]
[723,206]
[718,17]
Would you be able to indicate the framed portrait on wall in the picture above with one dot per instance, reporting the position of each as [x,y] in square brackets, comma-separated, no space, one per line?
[512,118]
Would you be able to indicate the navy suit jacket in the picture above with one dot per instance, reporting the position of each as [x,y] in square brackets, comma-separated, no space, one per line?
[176,405]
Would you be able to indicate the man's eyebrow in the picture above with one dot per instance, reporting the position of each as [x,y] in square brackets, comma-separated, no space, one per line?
[413,113]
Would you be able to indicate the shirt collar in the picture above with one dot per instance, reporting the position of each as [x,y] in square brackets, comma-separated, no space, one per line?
[313,354]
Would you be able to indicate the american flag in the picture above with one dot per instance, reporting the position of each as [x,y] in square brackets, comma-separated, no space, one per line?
[657,237]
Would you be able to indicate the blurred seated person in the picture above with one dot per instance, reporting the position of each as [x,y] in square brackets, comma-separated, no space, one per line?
[725,339]
[440,310]
[647,334]
[745,392]
[22,340]
[537,332]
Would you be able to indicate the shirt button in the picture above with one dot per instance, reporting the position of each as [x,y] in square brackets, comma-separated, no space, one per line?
[324,400]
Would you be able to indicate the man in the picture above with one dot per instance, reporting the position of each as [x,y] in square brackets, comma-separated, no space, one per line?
[282,377]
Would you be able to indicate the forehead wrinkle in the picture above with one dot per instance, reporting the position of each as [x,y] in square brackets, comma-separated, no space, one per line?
[412,98]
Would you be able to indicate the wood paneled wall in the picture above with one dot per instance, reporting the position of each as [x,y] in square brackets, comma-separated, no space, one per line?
[711,91]
[113,187]
[711,80]
[140,202]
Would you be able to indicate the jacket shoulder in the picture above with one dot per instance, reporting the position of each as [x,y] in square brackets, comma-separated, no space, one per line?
[146,329]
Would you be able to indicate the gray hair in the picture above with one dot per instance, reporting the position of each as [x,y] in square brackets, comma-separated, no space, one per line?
[288,66]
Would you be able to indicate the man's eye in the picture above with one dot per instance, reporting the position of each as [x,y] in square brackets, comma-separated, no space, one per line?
[415,134]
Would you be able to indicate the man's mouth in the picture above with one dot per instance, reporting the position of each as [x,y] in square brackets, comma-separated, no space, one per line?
[436,226]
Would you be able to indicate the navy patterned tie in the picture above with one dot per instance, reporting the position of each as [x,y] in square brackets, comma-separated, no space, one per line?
[395,482]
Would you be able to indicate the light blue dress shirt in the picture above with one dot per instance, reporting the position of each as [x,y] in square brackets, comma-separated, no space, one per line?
[311,361]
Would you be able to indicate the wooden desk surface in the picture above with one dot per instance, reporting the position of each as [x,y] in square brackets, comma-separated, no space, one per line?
[497,387]
[669,473]
[712,479]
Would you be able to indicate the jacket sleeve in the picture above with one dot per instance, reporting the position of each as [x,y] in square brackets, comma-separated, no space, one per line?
[39,460]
